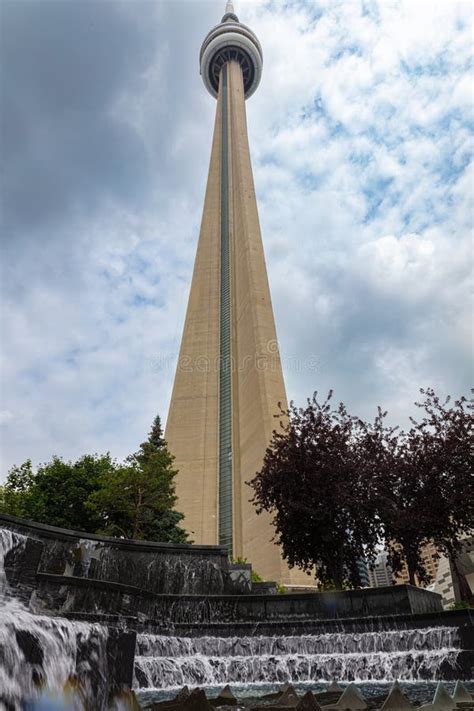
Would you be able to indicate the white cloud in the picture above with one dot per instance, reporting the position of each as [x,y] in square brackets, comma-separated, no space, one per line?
[361,145]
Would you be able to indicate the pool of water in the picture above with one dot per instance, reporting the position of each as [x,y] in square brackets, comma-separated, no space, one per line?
[419,692]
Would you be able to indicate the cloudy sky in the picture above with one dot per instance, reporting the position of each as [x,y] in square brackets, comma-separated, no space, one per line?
[361,141]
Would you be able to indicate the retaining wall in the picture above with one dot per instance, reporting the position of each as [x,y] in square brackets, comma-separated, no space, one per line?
[157,567]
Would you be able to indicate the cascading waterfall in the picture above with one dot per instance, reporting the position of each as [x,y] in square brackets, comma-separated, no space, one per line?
[416,654]
[35,644]
[8,541]
[167,574]
[54,648]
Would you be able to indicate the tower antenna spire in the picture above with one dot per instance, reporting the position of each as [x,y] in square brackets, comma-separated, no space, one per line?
[230,12]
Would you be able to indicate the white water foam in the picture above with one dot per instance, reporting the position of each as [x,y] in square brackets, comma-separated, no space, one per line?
[168,662]
[57,645]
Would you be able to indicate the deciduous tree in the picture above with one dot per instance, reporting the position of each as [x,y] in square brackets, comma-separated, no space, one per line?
[316,481]
[57,493]
[426,488]
[336,485]
[134,499]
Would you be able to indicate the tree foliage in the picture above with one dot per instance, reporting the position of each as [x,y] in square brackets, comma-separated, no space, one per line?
[138,500]
[426,488]
[338,487]
[96,494]
[316,482]
[58,492]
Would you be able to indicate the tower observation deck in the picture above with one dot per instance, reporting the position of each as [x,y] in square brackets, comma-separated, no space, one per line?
[229,381]
[230,40]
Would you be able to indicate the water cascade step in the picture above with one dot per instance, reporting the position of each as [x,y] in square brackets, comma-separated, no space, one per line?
[415,654]
[57,623]
[50,650]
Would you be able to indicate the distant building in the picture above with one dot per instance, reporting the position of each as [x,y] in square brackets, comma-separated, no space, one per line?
[381,574]
[443,578]
[430,558]
[447,582]
[363,569]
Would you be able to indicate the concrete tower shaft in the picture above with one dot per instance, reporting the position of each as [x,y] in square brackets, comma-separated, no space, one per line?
[229,380]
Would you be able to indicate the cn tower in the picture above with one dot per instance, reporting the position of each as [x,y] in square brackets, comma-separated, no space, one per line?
[229,380]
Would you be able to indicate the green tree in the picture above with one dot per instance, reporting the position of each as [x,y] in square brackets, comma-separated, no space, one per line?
[16,498]
[137,500]
[98,495]
[58,492]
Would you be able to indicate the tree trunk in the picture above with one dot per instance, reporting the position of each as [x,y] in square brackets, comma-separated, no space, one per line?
[411,557]
[137,514]
[336,570]
[411,572]
[464,590]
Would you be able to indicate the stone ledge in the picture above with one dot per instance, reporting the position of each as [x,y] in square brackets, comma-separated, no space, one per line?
[462,619]
[23,525]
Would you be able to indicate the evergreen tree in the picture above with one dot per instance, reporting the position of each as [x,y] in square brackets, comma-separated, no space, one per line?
[155,437]
[138,500]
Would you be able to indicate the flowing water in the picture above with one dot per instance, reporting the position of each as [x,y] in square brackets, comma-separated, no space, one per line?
[250,695]
[48,648]
[158,571]
[164,662]
[37,645]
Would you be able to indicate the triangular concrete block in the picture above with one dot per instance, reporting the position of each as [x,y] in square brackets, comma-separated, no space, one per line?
[396,700]
[196,701]
[225,698]
[334,686]
[289,698]
[442,700]
[461,693]
[182,694]
[308,703]
[351,699]
[226,692]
